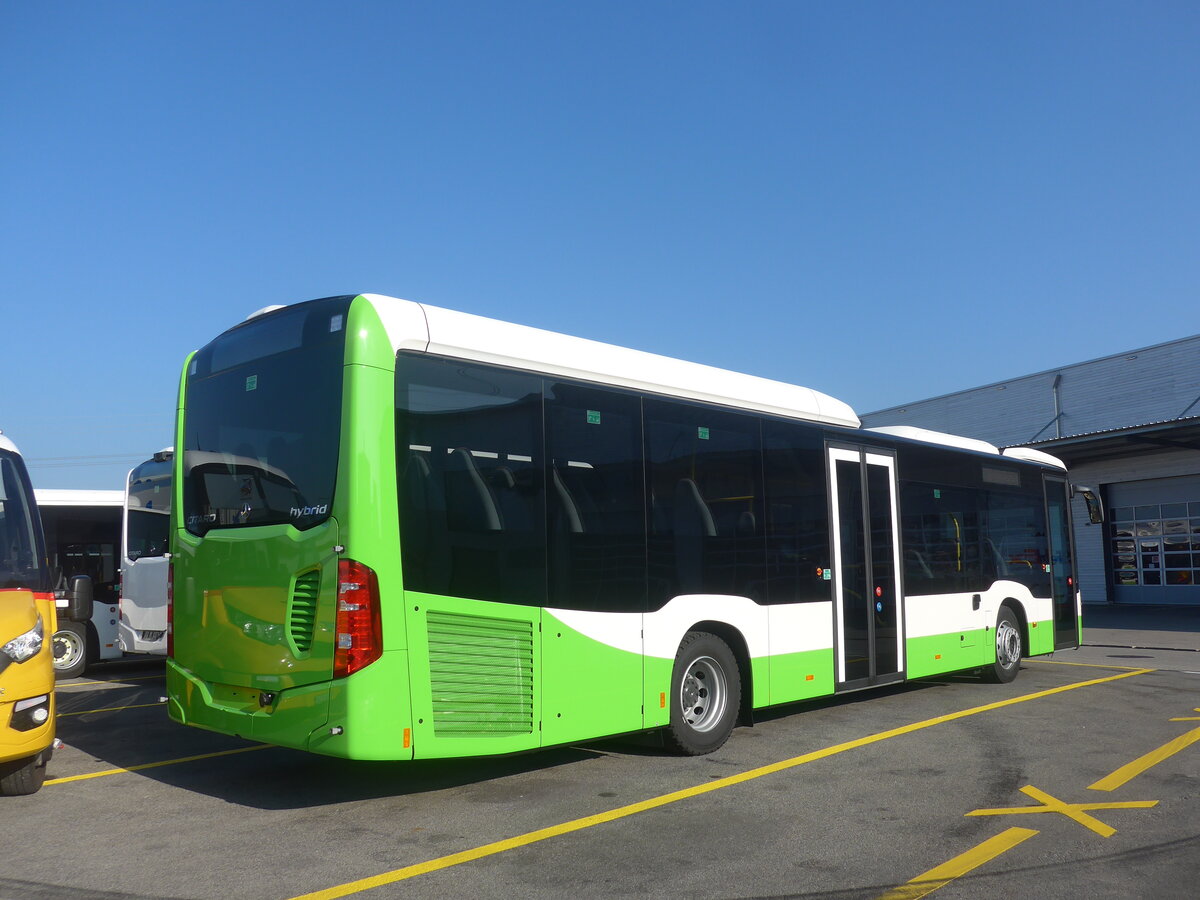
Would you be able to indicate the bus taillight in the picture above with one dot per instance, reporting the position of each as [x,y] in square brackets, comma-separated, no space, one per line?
[359,627]
[171,609]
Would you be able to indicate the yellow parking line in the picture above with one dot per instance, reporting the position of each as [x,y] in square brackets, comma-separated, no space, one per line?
[939,876]
[1063,662]
[84,712]
[110,681]
[155,765]
[1131,770]
[541,834]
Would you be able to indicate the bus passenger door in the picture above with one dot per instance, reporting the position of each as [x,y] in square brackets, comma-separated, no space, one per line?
[868,599]
[1062,564]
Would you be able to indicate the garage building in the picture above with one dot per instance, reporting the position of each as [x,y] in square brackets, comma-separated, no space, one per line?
[1128,425]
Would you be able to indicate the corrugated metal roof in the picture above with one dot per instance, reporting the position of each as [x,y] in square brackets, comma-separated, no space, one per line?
[1137,389]
[996,385]
[1188,420]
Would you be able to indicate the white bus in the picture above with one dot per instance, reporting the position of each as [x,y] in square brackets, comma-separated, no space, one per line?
[147,527]
[83,537]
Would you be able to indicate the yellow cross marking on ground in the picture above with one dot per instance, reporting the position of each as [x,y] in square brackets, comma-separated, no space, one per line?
[1188,718]
[1075,811]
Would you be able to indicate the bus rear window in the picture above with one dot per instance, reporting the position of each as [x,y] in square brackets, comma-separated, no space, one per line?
[148,509]
[263,418]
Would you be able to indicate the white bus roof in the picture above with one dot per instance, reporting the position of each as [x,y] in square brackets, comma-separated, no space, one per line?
[1028,453]
[416,326]
[913,433]
[6,444]
[69,497]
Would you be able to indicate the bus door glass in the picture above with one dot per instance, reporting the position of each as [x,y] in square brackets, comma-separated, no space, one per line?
[1062,564]
[866,566]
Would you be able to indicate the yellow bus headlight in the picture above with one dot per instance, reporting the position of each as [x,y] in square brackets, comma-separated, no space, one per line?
[27,645]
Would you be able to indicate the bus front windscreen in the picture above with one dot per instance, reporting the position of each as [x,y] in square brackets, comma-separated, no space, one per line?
[21,554]
[262,420]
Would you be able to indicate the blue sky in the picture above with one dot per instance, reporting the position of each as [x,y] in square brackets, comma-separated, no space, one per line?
[882,201]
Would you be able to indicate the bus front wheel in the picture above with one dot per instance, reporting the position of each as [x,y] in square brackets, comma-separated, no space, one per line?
[706,694]
[1008,649]
[70,649]
[23,776]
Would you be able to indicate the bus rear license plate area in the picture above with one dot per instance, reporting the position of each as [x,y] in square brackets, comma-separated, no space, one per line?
[240,698]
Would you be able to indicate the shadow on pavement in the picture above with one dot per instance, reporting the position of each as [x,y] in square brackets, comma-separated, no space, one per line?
[1160,627]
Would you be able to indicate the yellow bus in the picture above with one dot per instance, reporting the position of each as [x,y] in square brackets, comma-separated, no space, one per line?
[27,620]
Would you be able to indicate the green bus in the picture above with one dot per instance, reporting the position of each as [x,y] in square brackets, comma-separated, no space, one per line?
[404,532]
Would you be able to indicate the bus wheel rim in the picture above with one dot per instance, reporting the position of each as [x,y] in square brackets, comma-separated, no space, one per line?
[1008,645]
[72,649]
[703,694]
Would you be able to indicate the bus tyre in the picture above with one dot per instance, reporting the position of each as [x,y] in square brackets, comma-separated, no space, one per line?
[70,646]
[706,694]
[1008,649]
[23,776]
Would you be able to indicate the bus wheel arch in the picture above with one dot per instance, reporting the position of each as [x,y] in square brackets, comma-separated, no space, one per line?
[707,690]
[1010,644]
[1018,610]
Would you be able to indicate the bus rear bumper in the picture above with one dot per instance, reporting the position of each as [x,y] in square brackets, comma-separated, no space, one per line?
[284,718]
[134,641]
[365,716]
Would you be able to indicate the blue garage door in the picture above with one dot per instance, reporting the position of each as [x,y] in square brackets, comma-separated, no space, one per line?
[1154,540]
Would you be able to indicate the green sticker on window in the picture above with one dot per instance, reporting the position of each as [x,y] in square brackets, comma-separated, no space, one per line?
[251,382]
[593,416]
[702,433]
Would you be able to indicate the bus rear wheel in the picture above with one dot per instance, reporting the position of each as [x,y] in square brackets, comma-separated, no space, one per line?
[23,776]
[70,649]
[706,694]
[1008,649]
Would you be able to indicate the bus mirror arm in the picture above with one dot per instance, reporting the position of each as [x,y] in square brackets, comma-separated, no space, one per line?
[79,598]
[1091,497]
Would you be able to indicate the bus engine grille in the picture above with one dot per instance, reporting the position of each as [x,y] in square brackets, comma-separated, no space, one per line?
[302,611]
[481,675]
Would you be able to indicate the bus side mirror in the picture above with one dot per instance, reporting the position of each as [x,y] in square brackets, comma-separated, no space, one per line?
[79,598]
[1095,507]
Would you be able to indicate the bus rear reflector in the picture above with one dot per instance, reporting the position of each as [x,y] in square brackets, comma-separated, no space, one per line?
[359,627]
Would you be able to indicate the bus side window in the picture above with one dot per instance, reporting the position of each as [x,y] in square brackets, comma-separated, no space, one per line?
[797,527]
[597,508]
[705,471]
[472,512]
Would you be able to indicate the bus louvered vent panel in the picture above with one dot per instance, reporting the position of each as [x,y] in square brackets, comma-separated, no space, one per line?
[302,611]
[481,675]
